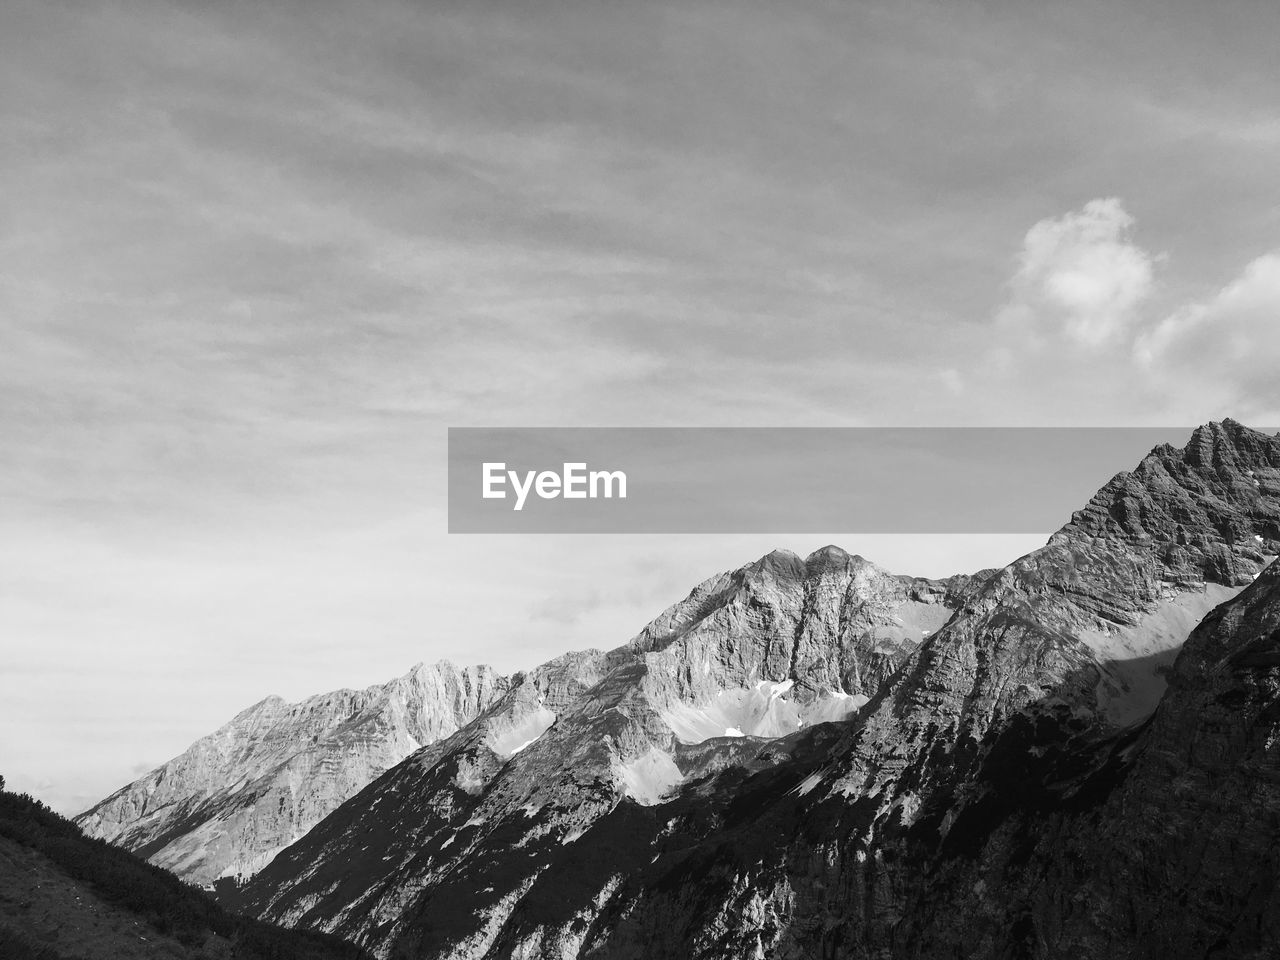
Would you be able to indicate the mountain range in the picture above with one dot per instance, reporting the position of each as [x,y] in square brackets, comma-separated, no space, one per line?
[1077,755]
[237,797]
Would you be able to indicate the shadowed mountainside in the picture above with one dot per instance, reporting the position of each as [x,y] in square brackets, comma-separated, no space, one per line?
[787,762]
[65,896]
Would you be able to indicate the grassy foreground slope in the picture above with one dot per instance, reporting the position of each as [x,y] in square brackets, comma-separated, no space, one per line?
[64,896]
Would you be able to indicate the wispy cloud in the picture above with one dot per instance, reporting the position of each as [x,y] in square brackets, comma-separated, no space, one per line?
[255,259]
[1224,348]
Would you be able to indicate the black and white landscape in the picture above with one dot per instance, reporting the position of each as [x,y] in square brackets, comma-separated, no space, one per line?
[1075,755]
[279,279]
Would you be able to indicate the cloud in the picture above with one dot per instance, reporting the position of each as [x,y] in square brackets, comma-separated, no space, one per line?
[952,379]
[1080,276]
[566,609]
[1225,344]
[1083,319]
[1235,323]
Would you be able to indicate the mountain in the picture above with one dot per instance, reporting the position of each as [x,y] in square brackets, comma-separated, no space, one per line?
[814,757]
[1005,796]
[792,761]
[749,656]
[1044,840]
[64,896]
[1165,849]
[235,798]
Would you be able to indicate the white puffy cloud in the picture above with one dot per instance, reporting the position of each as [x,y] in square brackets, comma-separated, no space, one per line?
[1081,321]
[1079,275]
[1226,345]
[1237,323]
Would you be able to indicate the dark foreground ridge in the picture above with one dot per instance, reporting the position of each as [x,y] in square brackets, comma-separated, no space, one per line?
[64,896]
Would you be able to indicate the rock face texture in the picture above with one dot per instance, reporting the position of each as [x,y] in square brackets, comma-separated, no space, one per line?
[1004,795]
[815,758]
[437,854]
[234,799]
[1167,847]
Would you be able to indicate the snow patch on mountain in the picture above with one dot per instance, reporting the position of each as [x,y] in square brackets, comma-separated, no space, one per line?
[649,778]
[470,777]
[761,710]
[808,784]
[508,735]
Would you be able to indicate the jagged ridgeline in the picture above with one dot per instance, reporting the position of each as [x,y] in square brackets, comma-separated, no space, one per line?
[1073,756]
[237,797]
[64,896]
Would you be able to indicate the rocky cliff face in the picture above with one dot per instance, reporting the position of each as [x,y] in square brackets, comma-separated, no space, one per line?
[1045,840]
[681,796]
[749,657]
[939,822]
[815,758]
[234,799]
[1160,844]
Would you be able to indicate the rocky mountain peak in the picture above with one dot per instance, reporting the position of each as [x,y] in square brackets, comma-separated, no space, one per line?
[1231,447]
[788,565]
[819,705]
[748,659]
[1209,511]
[832,557]
[235,798]
[833,552]
[780,564]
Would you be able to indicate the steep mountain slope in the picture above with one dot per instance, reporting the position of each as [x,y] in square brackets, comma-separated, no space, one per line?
[235,798]
[64,896]
[776,646]
[1167,850]
[1004,710]
[627,824]
[1158,841]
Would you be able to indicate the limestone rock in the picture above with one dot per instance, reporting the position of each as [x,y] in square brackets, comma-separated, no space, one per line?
[749,657]
[234,799]
[815,758]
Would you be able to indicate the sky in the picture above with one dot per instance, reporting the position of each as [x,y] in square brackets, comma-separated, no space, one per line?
[256,258]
